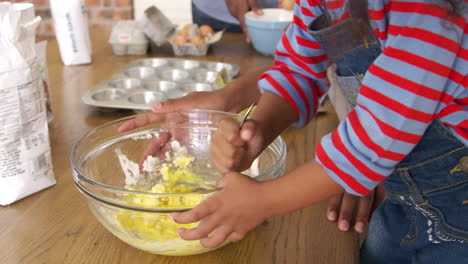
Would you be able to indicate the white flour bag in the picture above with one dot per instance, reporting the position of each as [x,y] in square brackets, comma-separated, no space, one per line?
[72,31]
[25,160]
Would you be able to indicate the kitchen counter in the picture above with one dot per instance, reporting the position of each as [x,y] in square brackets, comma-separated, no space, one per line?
[55,225]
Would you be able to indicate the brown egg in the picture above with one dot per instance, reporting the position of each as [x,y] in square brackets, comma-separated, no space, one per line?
[206,30]
[197,41]
[183,33]
[188,26]
[179,40]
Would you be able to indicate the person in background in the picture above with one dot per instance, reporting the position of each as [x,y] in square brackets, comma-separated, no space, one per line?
[228,14]
[402,67]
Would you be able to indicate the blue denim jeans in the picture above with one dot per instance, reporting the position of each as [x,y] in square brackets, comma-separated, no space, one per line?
[201,18]
[424,218]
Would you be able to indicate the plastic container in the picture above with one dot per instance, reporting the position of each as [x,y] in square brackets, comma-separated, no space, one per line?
[266,30]
[128,39]
[119,198]
[157,27]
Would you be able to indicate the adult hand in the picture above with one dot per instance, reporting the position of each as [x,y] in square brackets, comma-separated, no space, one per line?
[159,144]
[228,214]
[141,120]
[235,96]
[348,209]
[238,8]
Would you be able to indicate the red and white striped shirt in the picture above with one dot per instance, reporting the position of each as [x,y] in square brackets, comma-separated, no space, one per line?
[420,75]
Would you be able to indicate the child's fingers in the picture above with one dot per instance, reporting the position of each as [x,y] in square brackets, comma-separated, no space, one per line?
[225,157]
[219,166]
[348,205]
[196,214]
[228,131]
[205,228]
[248,130]
[217,238]
[227,148]
[229,151]
[379,196]
[363,213]
[334,206]
[232,156]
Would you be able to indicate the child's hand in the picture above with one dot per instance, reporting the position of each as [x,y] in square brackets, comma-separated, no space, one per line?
[234,148]
[348,209]
[228,214]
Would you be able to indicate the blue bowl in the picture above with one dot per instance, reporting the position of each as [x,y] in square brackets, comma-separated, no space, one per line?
[266,30]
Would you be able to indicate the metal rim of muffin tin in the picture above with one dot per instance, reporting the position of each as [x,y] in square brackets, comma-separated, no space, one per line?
[144,82]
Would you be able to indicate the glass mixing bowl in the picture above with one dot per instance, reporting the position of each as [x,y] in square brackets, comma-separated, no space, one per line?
[133,180]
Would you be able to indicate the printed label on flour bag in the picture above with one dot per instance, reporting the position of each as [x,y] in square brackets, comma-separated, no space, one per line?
[25,159]
[72,31]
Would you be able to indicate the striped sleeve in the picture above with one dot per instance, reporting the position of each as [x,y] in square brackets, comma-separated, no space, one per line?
[420,76]
[299,70]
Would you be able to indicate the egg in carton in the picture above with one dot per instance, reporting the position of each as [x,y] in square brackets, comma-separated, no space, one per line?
[193,40]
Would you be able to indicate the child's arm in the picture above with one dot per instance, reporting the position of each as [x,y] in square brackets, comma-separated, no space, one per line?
[244,203]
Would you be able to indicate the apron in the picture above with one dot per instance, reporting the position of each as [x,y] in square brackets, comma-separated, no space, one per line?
[424,217]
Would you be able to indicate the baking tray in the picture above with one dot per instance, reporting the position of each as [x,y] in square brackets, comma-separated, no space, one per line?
[144,82]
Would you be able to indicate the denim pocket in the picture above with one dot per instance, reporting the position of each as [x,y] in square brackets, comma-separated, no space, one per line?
[344,46]
[440,196]
[446,207]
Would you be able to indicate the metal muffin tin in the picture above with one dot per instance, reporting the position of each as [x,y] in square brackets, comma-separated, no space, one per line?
[147,81]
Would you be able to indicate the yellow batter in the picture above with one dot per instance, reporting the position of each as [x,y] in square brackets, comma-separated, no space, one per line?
[155,232]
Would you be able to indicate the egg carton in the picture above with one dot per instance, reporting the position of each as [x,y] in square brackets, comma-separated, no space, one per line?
[128,39]
[156,26]
[148,81]
[189,49]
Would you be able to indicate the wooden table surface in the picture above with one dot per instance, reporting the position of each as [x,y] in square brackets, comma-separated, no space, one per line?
[55,225]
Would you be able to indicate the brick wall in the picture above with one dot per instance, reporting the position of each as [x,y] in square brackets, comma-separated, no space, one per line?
[102,13]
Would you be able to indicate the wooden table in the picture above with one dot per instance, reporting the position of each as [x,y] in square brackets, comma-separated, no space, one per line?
[55,225]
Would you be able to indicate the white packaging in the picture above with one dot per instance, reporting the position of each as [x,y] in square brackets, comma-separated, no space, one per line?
[72,31]
[157,27]
[127,38]
[25,160]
